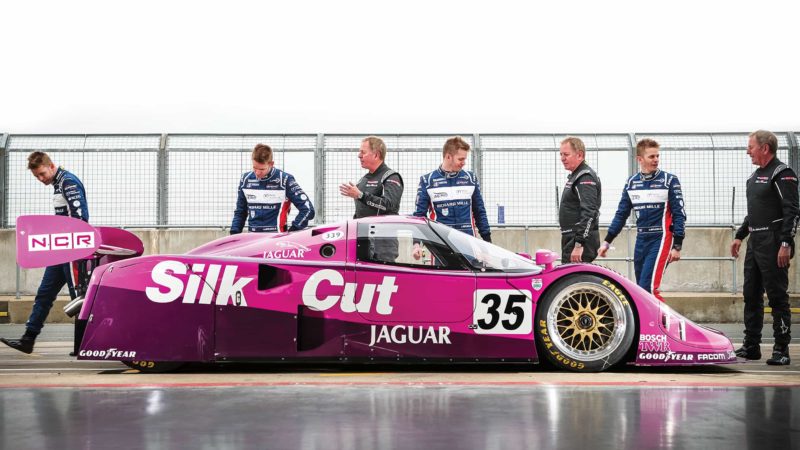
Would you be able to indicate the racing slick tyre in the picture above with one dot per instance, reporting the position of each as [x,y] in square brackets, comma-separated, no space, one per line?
[153,366]
[584,323]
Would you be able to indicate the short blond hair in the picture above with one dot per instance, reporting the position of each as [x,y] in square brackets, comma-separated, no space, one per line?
[766,137]
[576,144]
[38,159]
[262,154]
[644,144]
[377,146]
[453,145]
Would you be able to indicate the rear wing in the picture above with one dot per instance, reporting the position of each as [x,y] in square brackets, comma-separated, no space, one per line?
[50,240]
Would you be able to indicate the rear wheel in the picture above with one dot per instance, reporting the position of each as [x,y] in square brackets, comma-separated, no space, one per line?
[584,323]
[153,366]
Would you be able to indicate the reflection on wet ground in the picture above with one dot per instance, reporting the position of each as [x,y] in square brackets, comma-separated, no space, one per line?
[418,417]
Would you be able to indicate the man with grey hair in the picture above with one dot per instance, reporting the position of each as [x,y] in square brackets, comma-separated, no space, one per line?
[771,222]
[579,209]
[379,191]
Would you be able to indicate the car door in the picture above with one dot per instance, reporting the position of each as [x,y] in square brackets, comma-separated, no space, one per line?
[405,273]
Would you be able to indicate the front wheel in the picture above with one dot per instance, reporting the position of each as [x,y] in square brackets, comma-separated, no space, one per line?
[153,366]
[584,323]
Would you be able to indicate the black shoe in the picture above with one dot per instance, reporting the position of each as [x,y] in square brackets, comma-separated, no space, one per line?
[24,345]
[749,352]
[780,357]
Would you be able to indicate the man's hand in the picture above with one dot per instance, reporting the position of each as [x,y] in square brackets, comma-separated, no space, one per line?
[576,255]
[349,190]
[603,249]
[735,246]
[674,256]
[417,252]
[784,253]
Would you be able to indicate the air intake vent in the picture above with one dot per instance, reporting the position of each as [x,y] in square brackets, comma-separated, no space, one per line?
[270,277]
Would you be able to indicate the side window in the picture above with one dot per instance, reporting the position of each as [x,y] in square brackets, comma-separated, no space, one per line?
[402,244]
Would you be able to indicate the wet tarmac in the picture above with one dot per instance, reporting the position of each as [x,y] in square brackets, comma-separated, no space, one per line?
[453,417]
[49,400]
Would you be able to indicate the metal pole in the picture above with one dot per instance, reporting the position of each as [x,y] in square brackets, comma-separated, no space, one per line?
[477,156]
[557,205]
[319,179]
[630,254]
[18,281]
[526,240]
[733,236]
[632,169]
[632,165]
[163,186]
[4,182]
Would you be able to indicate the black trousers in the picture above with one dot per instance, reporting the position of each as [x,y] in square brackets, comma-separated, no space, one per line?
[761,273]
[590,247]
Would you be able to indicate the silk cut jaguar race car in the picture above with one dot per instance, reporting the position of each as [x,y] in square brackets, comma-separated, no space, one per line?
[383,289]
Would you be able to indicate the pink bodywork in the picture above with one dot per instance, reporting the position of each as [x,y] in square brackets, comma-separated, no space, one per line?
[284,296]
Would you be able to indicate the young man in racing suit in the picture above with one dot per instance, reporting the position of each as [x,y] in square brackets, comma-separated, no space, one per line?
[657,200]
[69,199]
[771,222]
[451,195]
[579,209]
[264,197]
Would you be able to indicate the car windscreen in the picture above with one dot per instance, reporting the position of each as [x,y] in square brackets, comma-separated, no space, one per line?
[482,255]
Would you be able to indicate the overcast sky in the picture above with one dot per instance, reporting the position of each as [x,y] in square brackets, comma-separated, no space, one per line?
[398,67]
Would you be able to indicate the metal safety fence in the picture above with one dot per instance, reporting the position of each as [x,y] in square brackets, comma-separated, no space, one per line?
[191,180]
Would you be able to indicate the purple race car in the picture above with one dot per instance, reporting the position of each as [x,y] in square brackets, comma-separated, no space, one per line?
[385,289]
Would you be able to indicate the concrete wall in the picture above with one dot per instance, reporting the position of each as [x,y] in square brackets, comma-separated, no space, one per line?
[692,276]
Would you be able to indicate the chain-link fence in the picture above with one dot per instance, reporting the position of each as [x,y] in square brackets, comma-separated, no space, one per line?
[191,180]
[411,156]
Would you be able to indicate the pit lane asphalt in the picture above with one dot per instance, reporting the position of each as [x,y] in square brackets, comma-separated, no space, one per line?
[50,400]
[51,366]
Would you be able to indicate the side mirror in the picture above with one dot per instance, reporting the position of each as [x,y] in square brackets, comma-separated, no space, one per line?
[546,258]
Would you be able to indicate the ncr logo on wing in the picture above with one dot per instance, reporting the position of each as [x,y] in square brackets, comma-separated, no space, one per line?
[60,241]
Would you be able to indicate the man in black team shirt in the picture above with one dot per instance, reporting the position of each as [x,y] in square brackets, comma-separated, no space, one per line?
[771,221]
[378,193]
[579,209]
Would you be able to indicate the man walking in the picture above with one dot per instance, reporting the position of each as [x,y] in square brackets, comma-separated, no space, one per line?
[69,199]
[579,209]
[657,199]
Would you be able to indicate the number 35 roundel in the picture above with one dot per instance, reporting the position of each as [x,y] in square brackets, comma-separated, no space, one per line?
[503,311]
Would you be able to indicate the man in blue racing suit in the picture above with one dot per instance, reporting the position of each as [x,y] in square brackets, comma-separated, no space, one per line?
[69,199]
[657,200]
[264,197]
[451,195]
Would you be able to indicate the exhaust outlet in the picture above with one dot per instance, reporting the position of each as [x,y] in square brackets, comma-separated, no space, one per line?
[74,307]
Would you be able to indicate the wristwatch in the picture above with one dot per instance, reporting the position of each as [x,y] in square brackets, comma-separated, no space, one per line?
[677,247]
[578,245]
[785,244]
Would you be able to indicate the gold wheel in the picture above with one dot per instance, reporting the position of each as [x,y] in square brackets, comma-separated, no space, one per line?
[584,321]
[587,321]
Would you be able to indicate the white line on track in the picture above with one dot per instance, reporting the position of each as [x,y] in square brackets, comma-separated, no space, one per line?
[55,369]
[774,372]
